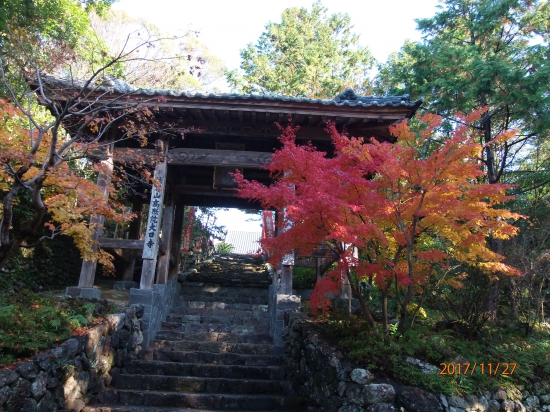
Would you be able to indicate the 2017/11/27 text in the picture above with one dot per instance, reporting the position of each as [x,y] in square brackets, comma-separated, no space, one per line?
[467,368]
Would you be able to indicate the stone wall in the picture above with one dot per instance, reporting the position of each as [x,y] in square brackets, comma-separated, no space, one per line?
[157,303]
[321,372]
[70,376]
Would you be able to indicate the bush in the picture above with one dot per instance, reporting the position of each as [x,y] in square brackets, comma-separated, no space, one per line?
[30,323]
[303,278]
[492,345]
[224,248]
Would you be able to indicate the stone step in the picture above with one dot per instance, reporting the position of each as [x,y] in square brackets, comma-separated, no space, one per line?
[212,370]
[225,320]
[135,408]
[201,400]
[190,345]
[228,295]
[214,327]
[259,314]
[214,337]
[194,304]
[194,384]
[212,358]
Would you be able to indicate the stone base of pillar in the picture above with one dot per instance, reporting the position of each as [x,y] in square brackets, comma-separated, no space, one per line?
[157,303]
[279,306]
[78,292]
[125,285]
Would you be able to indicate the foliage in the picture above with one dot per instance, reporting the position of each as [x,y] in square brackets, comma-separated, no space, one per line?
[481,54]
[35,163]
[23,314]
[165,61]
[308,54]
[303,278]
[495,344]
[224,248]
[490,54]
[49,265]
[409,210]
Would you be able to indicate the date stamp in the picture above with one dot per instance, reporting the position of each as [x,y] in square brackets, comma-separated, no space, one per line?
[466,368]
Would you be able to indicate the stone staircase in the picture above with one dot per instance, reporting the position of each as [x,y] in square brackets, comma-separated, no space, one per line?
[213,353]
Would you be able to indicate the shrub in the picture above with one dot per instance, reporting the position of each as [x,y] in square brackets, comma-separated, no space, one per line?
[303,278]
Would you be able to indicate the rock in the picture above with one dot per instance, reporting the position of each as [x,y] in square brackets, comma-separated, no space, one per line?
[38,387]
[378,393]
[457,402]
[382,407]
[507,406]
[7,377]
[545,399]
[52,383]
[500,395]
[518,407]
[494,405]
[455,409]
[46,404]
[417,400]
[532,402]
[72,347]
[341,388]
[423,366]
[4,393]
[28,405]
[472,401]
[361,376]
[482,404]
[44,362]
[354,393]
[351,408]
[27,370]
[19,393]
[443,401]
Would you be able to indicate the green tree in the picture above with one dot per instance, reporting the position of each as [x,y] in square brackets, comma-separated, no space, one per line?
[309,54]
[484,53]
[476,54]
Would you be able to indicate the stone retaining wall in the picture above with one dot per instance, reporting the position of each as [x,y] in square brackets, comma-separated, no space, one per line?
[322,373]
[70,376]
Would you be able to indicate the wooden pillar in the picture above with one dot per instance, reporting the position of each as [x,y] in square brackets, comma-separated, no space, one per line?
[286,279]
[345,290]
[177,230]
[164,260]
[287,265]
[151,241]
[87,272]
[135,226]
[319,267]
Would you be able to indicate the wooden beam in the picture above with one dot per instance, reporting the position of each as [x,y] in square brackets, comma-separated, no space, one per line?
[213,157]
[176,244]
[253,117]
[164,260]
[214,115]
[134,244]
[87,272]
[305,263]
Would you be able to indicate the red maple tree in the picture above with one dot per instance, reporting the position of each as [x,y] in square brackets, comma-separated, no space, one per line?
[409,207]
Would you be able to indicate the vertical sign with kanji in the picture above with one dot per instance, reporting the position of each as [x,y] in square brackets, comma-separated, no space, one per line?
[151,241]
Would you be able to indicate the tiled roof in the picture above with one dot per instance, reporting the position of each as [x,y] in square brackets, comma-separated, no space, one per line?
[244,243]
[346,98]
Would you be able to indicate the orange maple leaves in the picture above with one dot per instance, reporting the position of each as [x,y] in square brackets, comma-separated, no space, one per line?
[407,206]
